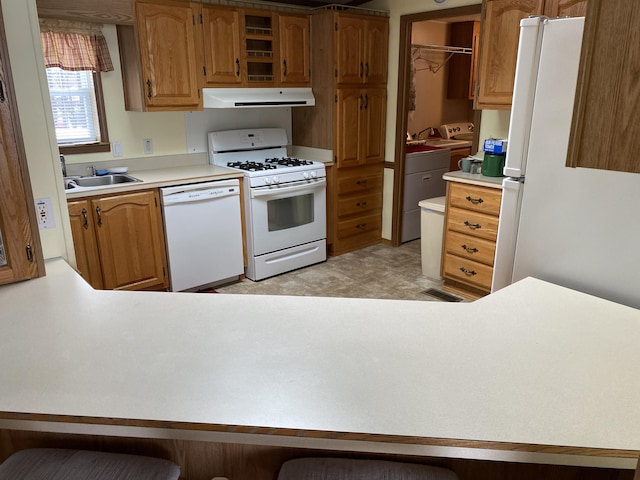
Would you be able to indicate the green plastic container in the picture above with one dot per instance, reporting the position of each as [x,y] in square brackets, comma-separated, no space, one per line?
[493,164]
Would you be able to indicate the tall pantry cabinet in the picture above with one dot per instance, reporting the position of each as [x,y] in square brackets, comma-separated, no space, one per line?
[349,75]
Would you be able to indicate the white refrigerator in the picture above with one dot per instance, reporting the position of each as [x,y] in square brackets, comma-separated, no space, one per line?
[575,227]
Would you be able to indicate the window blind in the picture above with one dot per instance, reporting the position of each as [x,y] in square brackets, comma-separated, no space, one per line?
[74,106]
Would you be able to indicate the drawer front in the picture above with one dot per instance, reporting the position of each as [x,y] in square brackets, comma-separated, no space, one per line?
[476,198]
[361,204]
[471,248]
[359,226]
[471,223]
[359,183]
[467,271]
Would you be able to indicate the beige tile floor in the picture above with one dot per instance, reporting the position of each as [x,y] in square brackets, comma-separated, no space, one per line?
[379,271]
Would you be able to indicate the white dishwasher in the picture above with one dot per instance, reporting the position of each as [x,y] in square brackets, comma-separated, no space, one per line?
[203,233]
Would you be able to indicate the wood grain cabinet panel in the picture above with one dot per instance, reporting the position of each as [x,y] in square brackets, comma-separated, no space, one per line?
[500,31]
[604,133]
[349,74]
[221,35]
[471,228]
[127,244]
[85,242]
[20,252]
[159,58]
[295,61]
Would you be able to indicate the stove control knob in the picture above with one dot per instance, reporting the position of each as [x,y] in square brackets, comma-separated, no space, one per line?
[275,180]
[305,175]
[314,174]
[267,181]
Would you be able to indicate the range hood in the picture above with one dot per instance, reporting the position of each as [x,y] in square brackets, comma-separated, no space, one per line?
[257,97]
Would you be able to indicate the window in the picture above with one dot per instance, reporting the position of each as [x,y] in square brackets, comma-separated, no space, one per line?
[78,111]
[74,54]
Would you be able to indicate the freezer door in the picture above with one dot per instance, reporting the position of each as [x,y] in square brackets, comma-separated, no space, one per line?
[523,96]
[507,233]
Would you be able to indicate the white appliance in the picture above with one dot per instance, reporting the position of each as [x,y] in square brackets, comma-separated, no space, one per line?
[203,233]
[457,131]
[284,200]
[257,97]
[575,227]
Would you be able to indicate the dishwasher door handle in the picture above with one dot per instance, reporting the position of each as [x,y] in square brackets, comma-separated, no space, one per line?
[196,196]
[427,177]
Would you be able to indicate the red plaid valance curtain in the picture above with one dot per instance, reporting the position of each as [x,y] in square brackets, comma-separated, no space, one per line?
[74,46]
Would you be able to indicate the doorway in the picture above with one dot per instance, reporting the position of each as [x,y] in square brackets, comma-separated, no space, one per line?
[409,120]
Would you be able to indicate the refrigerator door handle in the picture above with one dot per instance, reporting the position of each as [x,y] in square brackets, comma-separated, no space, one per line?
[507,233]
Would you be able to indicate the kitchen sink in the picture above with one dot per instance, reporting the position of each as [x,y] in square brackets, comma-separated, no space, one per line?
[102,180]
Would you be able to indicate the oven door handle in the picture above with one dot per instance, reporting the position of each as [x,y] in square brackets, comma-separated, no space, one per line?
[270,191]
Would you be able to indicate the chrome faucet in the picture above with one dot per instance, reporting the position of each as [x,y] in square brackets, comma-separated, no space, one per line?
[63,166]
[92,169]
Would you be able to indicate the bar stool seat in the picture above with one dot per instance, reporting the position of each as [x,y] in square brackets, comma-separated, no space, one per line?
[63,464]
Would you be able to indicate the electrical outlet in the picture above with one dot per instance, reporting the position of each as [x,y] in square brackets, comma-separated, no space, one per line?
[44,213]
[116,149]
[147,146]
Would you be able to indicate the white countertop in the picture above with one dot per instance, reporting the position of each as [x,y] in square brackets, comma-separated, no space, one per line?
[162,177]
[474,179]
[549,369]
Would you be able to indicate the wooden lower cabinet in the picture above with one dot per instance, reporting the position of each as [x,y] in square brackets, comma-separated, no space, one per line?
[356,211]
[119,241]
[471,228]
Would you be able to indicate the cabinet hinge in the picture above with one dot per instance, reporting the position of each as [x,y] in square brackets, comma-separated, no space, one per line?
[204,71]
[201,19]
[336,26]
[335,160]
[336,73]
[336,98]
[198,93]
[29,252]
[155,200]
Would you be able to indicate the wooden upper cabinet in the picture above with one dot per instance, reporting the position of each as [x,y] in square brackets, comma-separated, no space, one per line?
[221,32]
[160,68]
[500,31]
[565,8]
[20,251]
[361,48]
[295,61]
[373,125]
[376,47]
[360,126]
[349,49]
[604,132]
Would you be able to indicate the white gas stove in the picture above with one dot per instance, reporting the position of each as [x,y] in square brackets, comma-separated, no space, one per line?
[262,155]
[284,200]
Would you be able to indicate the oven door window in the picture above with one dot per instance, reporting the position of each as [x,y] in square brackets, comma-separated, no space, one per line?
[290,212]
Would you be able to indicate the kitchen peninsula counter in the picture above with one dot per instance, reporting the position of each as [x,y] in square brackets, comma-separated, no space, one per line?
[532,373]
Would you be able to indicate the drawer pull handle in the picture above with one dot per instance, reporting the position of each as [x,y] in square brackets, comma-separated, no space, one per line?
[469,273]
[475,201]
[361,225]
[473,226]
[361,204]
[85,223]
[469,249]
[99,216]
[237,67]
[361,182]
[427,177]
